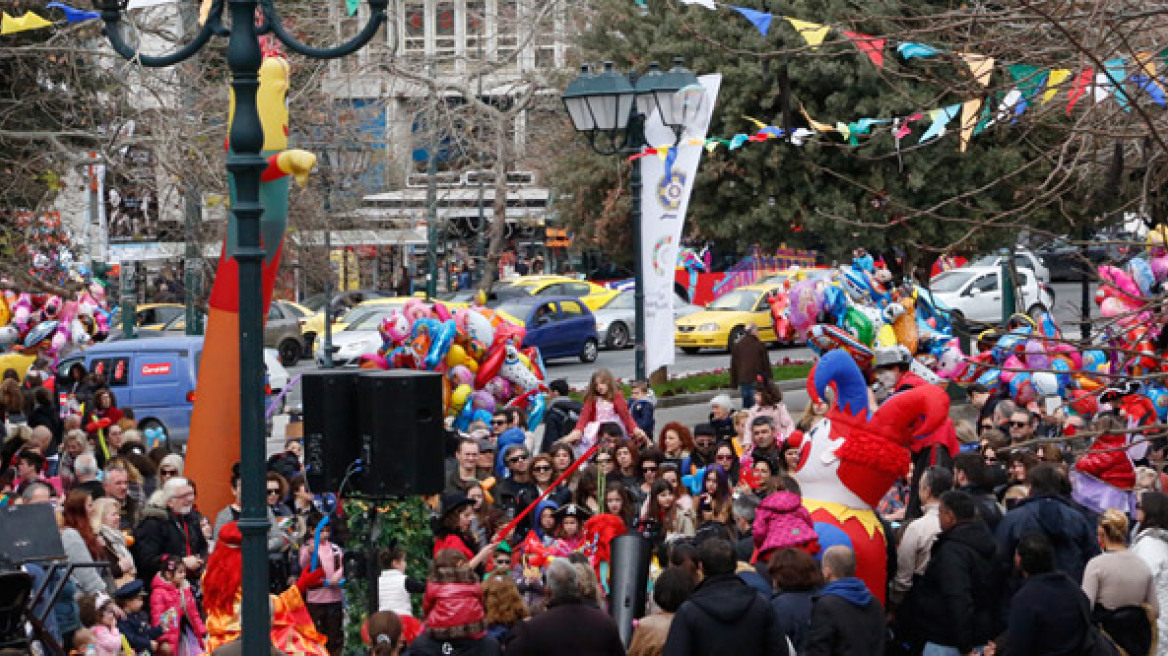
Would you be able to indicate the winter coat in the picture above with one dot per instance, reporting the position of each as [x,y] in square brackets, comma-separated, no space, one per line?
[168,606]
[988,508]
[846,620]
[331,561]
[1113,467]
[642,412]
[1047,616]
[619,405]
[793,613]
[1151,545]
[649,636]
[749,360]
[566,628]
[956,602]
[160,533]
[559,420]
[781,521]
[46,415]
[428,645]
[453,605]
[392,594]
[276,539]
[1071,534]
[107,641]
[138,632]
[725,616]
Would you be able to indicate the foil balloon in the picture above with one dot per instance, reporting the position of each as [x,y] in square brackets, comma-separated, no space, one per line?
[441,312]
[1035,354]
[1094,361]
[483,400]
[500,388]
[40,333]
[479,327]
[535,361]
[1045,383]
[440,341]
[823,338]
[859,325]
[1010,369]
[372,361]
[1141,273]
[395,328]
[1159,398]
[991,378]
[514,371]
[535,411]
[460,395]
[489,367]
[778,302]
[460,375]
[835,302]
[951,361]
[886,337]
[456,356]
[8,336]
[804,305]
[1022,389]
[1062,368]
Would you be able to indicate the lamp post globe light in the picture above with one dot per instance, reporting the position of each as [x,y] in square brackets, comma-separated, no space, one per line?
[244,162]
[611,109]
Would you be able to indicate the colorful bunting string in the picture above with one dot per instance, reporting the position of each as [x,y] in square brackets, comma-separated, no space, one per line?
[29,21]
[72,14]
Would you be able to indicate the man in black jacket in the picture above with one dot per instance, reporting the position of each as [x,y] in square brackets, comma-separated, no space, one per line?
[845,618]
[1049,615]
[569,625]
[561,415]
[723,616]
[173,530]
[971,476]
[955,603]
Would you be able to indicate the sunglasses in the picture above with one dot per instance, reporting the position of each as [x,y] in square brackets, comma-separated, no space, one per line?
[649,468]
[502,563]
[273,491]
[541,468]
[990,459]
[724,458]
[168,472]
[514,459]
[1018,424]
[498,422]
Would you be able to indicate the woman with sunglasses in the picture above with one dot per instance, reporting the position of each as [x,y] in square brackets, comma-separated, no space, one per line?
[280,561]
[725,457]
[542,476]
[651,461]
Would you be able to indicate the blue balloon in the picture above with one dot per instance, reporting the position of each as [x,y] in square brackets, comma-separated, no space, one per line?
[1063,372]
[535,411]
[830,535]
[835,302]
[482,415]
[465,415]
[990,379]
[1159,397]
[1141,272]
[440,342]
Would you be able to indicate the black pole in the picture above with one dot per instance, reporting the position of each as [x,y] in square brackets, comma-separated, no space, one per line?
[634,143]
[1085,287]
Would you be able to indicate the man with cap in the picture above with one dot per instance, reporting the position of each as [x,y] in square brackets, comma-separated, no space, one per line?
[486,464]
[705,446]
[135,624]
[748,361]
[893,371]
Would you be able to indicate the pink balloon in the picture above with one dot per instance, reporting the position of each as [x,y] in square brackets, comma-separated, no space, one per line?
[805,305]
[1036,357]
[1011,362]
[1112,306]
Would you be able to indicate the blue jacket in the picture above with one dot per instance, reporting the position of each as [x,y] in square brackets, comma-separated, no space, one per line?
[509,437]
[138,632]
[642,412]
[1070,532]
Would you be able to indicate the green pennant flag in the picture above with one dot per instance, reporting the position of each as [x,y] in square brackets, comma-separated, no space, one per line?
[351,6]
[984,121]
[1028,78]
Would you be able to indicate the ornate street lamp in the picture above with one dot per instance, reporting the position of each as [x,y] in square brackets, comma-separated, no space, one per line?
[245,164]
[611,108]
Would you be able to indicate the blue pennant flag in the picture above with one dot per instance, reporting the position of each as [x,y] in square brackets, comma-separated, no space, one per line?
[760,19]
[74,15]
[1151,87]
[910,50]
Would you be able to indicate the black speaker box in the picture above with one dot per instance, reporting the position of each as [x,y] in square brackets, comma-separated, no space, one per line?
[29,533]
[331,441]
[629,580]
[401,432]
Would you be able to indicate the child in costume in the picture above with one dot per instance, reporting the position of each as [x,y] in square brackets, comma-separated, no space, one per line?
[173,608]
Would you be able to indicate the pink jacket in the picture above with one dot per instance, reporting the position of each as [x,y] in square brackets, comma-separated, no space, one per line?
[108,642]
[168,606]
[781,521]
[334,572]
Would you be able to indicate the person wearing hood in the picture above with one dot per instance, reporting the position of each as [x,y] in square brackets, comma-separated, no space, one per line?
[1047,510]
[781,521]
[1151,545]
[570,626]
[1050,613]
[953,607]
[845,617]
[724,615]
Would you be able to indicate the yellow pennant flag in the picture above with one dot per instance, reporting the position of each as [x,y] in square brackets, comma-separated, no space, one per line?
[29,21]
[980,66]
[969,111]
[843,129]
[663,152]
[1053,80]
[813,33]
[815,125]
[204,12]
[757,123]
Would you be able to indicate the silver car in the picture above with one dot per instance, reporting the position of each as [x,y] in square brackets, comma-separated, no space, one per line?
[616,320]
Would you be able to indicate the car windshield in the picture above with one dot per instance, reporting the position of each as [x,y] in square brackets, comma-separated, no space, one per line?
[368,318]
[314,302]
[735,301]
[949,282]
[622,301]
[515,308]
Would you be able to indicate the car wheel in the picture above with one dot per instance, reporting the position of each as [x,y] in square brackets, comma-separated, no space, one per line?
[591,350]
[618,336]
[738,333]
[289,352]
[690,350]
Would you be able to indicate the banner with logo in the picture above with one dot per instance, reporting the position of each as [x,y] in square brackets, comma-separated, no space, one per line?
[664,199]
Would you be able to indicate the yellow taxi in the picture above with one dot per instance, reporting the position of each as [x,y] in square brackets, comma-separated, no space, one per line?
[154,316]
[722,323]
[589,293]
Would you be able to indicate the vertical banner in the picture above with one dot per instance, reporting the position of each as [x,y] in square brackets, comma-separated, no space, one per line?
[663,204]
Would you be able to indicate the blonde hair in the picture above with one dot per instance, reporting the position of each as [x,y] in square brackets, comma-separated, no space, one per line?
[101,508]
[1114,525]
[966,434]
[739,417]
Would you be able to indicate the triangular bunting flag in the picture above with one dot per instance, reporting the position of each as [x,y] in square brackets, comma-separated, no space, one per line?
[1079,88]
[72,14]
[910,50]
[1116,74]
[1149,86]
[815,125]
[813,33]
[969,110]
[1056,78]
[940,118]
[869,45]
[351,6]
[903,127]
[708,4]
[1012,104]
[29,21]
[985,121]
[1028,78]
[757,123]
[980,66]
[760,19]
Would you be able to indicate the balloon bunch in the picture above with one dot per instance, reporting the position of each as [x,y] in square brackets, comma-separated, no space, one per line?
[858,308]
[479,352]
[49,324]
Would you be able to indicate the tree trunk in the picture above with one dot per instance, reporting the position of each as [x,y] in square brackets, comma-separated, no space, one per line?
[499,208]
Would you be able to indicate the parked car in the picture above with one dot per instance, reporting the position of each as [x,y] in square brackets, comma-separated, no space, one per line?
[281,331]
[616,320]
[154,316]
[589,293]
[561,327]
[1065,259]
[723,322]
[156,375]
[358,337]
[312,327]
[1023,259]
[975,293]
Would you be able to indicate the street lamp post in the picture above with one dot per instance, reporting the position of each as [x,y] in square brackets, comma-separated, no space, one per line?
[245,165]
[611,108]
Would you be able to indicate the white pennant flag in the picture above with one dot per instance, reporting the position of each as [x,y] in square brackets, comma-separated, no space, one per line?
[708,4]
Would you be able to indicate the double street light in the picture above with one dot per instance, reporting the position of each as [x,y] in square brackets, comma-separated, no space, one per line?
[245,164]
[611,109]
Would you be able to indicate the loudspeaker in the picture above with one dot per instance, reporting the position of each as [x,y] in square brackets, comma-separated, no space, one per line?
[401,432]
[630,577]
[331,441]
[29,533]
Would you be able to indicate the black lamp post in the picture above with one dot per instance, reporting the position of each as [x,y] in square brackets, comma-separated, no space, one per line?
[245,164]
[611,109]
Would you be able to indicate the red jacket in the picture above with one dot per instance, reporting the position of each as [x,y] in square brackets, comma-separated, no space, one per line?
[1107,460]
[168,606]
[588,414]
[453,605]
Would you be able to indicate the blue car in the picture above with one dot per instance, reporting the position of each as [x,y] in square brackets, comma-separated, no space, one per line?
[559,326]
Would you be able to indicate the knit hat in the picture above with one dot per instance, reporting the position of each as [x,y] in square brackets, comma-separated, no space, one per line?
[722,400]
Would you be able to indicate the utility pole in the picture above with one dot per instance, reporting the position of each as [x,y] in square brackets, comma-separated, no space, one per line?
[432,197]
[192,210]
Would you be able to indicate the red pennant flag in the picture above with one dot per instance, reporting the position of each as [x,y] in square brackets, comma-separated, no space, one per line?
[1079,88]
[870,45]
